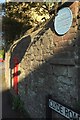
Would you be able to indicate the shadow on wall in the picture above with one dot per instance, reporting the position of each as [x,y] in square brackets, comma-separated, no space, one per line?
[43,80]
[19,51]
[11,106]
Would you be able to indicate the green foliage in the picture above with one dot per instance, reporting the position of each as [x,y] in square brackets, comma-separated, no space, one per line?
[21,16]
[11,29]
[2,54]
[17,104]
[26,11]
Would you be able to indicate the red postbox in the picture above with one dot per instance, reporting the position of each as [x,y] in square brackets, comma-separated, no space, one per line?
[15,75]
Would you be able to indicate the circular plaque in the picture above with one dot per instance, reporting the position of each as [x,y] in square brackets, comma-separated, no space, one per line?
[63,21]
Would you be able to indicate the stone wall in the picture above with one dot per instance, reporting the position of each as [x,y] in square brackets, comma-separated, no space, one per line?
[78,42]
[48,65]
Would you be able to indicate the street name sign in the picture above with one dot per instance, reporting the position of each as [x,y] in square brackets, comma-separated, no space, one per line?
[63,21]
[64,111]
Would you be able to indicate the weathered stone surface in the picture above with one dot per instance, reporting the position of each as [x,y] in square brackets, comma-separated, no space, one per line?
[65,80]
[60,70]
[49,68]
[72,72]
[60,61]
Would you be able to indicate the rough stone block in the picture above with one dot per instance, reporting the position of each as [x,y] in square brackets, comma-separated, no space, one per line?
[70,36]
[60,61]
[62,71]
[65,80]
[72,72]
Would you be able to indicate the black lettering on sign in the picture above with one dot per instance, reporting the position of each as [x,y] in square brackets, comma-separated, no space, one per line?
[74,115]
[50,103]
[70,114]
[53,105]
[61,109]
[66,112]
[57,105]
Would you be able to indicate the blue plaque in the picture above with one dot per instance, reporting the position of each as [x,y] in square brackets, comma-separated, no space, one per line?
[63,20]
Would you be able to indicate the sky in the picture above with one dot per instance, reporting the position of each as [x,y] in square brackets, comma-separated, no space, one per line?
[2,1]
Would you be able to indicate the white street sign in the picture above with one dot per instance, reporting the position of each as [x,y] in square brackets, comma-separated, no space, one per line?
[64,111]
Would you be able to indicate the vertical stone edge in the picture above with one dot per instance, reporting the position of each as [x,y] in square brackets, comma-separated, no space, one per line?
[78,61]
